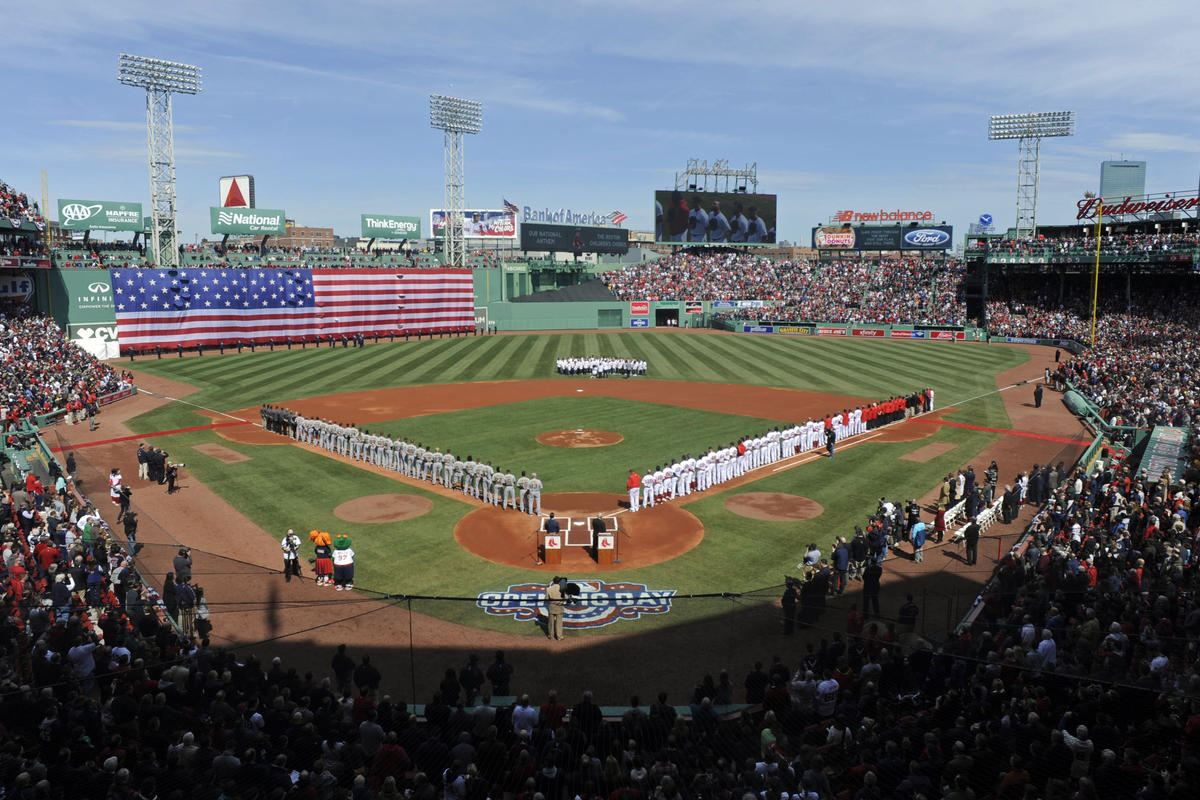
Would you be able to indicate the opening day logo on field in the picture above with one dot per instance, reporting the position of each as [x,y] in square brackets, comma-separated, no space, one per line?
[599,603]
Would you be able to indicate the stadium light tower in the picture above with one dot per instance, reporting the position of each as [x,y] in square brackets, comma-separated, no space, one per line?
[160,79]
[1029,130]
[454,116]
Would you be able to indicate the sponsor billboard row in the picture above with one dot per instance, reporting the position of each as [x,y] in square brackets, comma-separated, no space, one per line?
[574,239]
[478,223]
[883,237]
[714,218]
[262,221]
[387,226]
[99,215]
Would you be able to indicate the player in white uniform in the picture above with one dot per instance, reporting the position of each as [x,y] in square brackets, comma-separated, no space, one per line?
[648,488]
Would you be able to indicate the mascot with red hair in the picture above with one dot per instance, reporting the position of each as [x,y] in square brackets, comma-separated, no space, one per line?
[324,546]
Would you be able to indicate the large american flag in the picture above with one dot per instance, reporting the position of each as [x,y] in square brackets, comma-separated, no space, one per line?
[207,306]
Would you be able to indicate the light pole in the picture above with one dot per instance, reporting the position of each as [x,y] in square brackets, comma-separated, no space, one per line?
[1029,130]
[160,79]
[454,116]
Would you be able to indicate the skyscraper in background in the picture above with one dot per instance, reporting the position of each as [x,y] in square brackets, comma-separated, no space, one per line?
[1121,179]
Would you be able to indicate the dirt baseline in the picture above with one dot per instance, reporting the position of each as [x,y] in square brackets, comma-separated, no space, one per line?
[579,438]
[647,537]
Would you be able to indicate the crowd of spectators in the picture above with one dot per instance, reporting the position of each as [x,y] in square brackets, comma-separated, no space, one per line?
[1110,244]
[865,290]
[17,205]
[120,254]
[41,371]
[1077,679]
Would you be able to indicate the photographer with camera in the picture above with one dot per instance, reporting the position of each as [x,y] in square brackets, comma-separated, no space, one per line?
[182,564]
[172,475]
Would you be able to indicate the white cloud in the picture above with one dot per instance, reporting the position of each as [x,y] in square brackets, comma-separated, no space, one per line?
[1155,142]
[113,125]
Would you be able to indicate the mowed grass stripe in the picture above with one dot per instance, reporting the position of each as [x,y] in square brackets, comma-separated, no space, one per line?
[658,366]
[726,365]
[438,365]
[779,368]
[479,363]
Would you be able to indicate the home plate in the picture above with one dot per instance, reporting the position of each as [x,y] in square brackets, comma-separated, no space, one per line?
[579,390]
[576,523]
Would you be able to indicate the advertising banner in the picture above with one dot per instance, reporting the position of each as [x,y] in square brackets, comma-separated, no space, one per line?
[931,237]
[99,215]
[749,303]
[640,322]
[574,239]
[714,218]
[908,334]
[794,330]
[24,262]
[758,329]
[718,304]
[875,332]
[478,223]
[831,331]
[16,287]
[385,226]
[943,335]
[861,237]
[693,307]
[639,307]
[261,221]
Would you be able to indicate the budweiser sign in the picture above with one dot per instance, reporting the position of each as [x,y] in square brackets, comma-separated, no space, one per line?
[1088,206]
[884,216]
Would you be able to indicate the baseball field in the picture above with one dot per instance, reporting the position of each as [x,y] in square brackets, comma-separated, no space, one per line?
[700,575]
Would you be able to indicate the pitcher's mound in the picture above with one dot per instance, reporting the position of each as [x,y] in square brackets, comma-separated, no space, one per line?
[650,536]
[773,506]
[579,438]
[383,508]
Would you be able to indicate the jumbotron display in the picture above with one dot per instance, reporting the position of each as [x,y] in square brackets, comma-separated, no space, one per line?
[726,218]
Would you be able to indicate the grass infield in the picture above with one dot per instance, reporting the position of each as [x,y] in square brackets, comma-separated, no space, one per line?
[284,487]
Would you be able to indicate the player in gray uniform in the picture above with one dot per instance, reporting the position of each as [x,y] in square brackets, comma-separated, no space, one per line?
[470,477]
[410,455]
[447,469]
[486,482]
[297,431]
[535,495]
[522,493]
[435,465]
[510,491]
[456,480]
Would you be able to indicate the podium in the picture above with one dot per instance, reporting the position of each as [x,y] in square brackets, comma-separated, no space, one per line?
[552,544]
[606,547]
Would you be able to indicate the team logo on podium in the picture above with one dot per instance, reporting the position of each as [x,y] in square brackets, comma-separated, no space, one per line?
[599,603]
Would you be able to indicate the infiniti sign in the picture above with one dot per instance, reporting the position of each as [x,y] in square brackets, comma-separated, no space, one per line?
[927,237]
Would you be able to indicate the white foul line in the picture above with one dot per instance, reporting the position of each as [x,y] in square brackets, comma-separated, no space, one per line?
[193,405]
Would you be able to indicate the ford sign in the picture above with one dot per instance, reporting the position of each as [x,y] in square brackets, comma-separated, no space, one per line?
[927,238]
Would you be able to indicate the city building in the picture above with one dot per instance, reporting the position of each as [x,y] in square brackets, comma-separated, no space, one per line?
[1121,179]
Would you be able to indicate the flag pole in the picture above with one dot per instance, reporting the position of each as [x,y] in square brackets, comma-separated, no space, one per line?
[1096,277]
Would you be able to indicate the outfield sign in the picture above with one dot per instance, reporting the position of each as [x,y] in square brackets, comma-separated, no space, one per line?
[99,215]
[794,330]
[385,226]
[261,221]
[598,604]
[693,307]
[866,331]
[16,287]
[639,307]
[723,304]
[639,322]
[578,239]
[758,329]
[908,334]
[831,331]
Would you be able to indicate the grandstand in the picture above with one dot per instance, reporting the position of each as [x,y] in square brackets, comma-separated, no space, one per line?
[1070,669]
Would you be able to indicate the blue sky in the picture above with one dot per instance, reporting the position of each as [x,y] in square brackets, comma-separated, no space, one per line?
[593,105]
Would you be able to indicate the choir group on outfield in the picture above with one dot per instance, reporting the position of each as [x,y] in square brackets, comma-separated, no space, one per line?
[599,367]
[689,474]
[477,479]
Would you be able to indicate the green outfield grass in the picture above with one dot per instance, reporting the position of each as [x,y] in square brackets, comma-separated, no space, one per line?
[283,487]
[506,434]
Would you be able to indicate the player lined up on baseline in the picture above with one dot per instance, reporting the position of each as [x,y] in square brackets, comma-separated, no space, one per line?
[599,366]
[476,479]
[689,474]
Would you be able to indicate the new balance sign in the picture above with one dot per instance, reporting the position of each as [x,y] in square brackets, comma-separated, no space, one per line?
[99,215]
[264,221]
[384,226]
